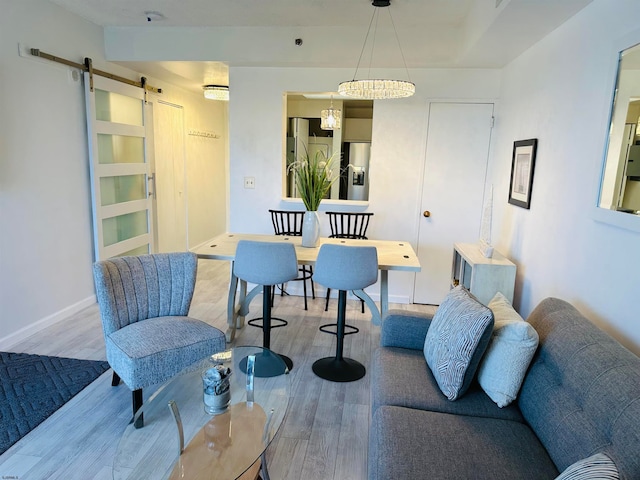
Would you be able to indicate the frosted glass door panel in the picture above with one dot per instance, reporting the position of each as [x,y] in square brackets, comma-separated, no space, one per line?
[136,251]
[117,108]
[124,227]
[120,149]
[121,189]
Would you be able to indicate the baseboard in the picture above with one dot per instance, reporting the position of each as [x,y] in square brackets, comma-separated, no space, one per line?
[10,340]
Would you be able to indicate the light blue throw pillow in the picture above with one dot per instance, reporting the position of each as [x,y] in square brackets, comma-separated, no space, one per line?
[512,346]
[456,340]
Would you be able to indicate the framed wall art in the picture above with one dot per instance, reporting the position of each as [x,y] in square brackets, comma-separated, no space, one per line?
[522,165]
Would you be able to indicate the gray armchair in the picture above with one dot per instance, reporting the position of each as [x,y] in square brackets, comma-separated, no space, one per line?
[144,302]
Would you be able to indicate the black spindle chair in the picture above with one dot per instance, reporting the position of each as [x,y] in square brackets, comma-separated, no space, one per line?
[289,223]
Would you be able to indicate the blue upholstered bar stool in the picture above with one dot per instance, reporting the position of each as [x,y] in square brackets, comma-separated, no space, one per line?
[343,268]
[289,223]
[266,264]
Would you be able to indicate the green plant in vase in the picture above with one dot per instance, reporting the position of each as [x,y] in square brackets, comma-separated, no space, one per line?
[314,177]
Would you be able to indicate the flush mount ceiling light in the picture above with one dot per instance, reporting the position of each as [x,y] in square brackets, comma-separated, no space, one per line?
[216,92]
[374,89]
[331,118]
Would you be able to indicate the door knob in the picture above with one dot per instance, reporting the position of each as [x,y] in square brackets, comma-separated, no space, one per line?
[427,213]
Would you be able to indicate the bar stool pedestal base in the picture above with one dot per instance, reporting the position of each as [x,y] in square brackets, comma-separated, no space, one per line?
[344,370]
[267,367]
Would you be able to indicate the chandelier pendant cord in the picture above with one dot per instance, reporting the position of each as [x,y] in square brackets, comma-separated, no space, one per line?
[355,74]
[404,62]
[376,15]
[374,18]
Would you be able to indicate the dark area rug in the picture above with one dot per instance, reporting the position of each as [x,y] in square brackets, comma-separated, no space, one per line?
[32,387]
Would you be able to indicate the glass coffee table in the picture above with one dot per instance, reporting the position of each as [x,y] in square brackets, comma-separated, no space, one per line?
[228,444]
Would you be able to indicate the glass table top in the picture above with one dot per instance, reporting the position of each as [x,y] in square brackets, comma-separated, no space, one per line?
[223,445]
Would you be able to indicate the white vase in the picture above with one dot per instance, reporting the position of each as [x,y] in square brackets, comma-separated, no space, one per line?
[310,229]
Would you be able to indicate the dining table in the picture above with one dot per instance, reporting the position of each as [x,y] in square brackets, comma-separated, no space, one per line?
[392,255]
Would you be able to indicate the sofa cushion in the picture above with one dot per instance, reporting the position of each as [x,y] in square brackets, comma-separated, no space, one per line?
[511,348]
[401,377]
[582,392]
[456,340]
[405,443]
[404,328]
[595,467]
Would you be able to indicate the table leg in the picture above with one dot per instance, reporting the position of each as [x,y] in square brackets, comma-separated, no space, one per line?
[377,315]
[373,308]
[241,311]
[231,307]
[384,294]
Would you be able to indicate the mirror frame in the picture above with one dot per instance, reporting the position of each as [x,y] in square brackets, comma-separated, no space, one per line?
[600,214]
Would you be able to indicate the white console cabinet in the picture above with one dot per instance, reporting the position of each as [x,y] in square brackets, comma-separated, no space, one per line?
[482,276]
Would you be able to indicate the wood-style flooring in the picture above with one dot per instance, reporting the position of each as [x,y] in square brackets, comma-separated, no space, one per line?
[324,435]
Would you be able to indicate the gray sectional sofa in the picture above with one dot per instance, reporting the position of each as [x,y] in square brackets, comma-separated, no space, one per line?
[580,396]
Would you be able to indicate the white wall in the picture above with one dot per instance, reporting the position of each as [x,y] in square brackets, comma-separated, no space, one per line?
[45,214]
[46,248]
[397,152]
[559,92]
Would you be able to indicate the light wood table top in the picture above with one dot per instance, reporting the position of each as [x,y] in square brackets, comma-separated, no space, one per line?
[392,254]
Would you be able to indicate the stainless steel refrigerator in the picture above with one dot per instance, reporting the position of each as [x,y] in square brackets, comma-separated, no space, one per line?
[355,181]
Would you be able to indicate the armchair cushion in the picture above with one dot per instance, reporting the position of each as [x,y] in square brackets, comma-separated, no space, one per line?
[152,351]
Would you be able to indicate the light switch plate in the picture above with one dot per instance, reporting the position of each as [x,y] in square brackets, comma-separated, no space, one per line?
[249,182]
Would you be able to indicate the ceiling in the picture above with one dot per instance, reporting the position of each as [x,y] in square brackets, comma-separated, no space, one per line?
[431,33]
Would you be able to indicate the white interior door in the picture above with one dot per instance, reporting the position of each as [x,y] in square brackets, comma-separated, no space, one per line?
[170,177]
[458,139]
[122,209]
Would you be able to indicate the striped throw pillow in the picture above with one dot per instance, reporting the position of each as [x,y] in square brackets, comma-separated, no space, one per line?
[595,467]
[456,340]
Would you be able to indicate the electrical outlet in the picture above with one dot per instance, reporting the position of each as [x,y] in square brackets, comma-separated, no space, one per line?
[249,182]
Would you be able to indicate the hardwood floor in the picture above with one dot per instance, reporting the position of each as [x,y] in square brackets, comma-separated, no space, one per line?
[324,435]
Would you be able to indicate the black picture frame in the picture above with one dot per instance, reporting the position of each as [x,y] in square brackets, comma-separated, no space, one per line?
[523,163]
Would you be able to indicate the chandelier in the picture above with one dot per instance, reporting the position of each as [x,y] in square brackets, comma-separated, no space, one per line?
[331,118]
[374,89]
[216,92]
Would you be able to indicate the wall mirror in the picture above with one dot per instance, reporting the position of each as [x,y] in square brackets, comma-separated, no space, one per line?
[350,144]
[620,187]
